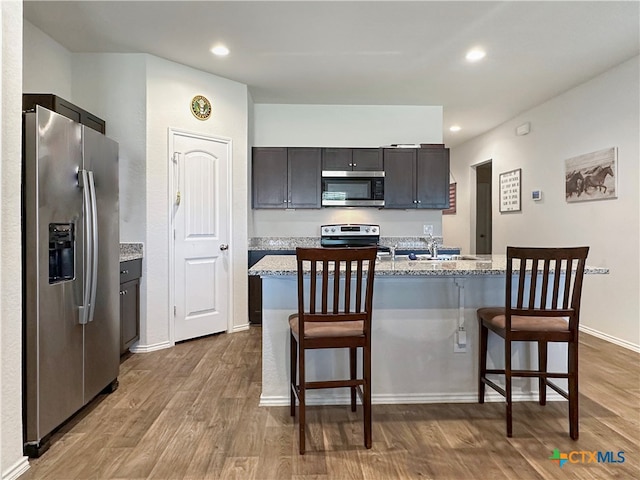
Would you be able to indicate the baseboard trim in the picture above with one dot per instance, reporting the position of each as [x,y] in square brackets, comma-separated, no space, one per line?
[150,348]
[621,343]
[240,328]
[18,468]
[407,399]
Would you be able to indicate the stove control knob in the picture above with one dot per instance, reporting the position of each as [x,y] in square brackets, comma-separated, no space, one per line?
[374,230]
[366,229]
[326,229]
[333,229]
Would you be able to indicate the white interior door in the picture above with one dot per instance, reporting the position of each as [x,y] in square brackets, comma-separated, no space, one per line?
[201,233]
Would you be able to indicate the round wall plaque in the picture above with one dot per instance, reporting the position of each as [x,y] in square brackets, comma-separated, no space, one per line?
[201,107]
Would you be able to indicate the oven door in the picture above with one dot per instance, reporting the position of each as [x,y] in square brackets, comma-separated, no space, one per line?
[352,192]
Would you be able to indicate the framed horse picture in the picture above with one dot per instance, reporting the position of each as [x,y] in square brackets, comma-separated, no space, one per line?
[592,176]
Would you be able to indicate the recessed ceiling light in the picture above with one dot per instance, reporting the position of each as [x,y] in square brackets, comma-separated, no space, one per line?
[220,50]
[455,128]
[475,54]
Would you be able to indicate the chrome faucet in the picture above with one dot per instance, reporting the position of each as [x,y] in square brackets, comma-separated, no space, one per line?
[432,245]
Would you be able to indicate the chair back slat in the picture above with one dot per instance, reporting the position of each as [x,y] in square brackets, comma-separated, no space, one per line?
[545,282]
[549,283]
[359,275]
[314,275]
[567,283]
[556,284]
[534,281]
[347,287]
[325,290]
[329,294]
[521,276]
[336,286]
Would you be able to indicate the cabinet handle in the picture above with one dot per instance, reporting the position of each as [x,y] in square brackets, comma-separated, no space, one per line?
[419,201]
[124,272]
[355,165]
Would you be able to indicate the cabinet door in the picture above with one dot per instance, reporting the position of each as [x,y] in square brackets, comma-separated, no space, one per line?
[129,314]
[399,181]
[432,178]
[255,299]
[304,179]
[339,159]
[269,177]
[367,159]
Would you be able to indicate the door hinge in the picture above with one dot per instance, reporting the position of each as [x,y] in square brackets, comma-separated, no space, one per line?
[174,310]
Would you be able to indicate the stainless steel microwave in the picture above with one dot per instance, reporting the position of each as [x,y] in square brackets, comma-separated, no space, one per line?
[352,188]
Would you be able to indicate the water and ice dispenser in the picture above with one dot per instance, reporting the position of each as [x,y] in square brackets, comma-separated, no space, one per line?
[61,252]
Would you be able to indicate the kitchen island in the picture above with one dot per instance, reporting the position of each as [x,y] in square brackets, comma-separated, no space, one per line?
[418,308]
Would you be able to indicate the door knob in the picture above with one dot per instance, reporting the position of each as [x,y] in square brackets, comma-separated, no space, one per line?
[224,246]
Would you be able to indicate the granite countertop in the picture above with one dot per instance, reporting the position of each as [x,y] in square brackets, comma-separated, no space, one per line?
[290,243]
[131,251]
[285,265]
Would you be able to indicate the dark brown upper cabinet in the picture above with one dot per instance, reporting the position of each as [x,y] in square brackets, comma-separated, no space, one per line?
[345,159]
[416,178]
[286,177]
[63,107]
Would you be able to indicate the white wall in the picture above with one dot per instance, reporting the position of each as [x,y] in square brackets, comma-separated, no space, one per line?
[343,126]
[12,462]
[113,87]
[47,66]
[598,114]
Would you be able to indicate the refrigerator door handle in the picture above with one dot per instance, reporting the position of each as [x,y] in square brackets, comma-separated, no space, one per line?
[83,181]
[94,241]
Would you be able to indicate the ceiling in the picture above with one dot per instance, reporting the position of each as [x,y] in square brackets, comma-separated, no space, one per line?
[369,53]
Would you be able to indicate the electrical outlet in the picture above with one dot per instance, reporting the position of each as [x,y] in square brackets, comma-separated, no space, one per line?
[427,229]
[460,342]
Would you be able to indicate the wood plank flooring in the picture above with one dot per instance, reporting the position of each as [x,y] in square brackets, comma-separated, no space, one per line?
[191,413]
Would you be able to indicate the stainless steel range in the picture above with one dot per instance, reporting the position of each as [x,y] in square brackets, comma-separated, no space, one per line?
[349,235]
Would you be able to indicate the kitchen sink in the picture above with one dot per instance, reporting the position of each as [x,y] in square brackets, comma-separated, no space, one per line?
[427,258]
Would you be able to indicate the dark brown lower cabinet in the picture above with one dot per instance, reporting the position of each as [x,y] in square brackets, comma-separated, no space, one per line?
[255,300]
[255,284]
[130,273]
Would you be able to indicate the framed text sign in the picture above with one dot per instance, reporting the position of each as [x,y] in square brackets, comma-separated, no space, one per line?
[510,191]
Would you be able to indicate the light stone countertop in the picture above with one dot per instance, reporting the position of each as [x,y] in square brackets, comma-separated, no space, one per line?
[285,265]
[131,251]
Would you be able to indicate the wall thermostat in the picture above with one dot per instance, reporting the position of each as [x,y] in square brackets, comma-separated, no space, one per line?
[536,195]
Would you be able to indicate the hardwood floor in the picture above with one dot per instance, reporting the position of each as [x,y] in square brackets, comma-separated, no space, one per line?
[191,412]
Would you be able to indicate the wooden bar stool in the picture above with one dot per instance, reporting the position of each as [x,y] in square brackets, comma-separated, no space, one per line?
[546,310]
[334,314]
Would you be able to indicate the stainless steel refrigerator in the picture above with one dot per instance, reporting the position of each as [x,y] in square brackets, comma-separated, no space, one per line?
[71,271]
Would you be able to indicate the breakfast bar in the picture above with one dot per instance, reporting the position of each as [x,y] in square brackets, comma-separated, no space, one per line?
[424,331]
